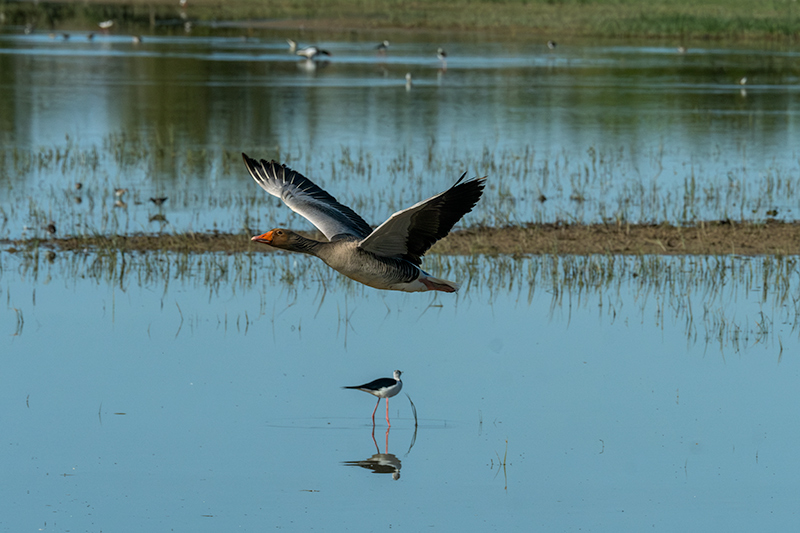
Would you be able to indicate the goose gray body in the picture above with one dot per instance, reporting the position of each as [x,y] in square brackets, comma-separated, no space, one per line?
[388,257]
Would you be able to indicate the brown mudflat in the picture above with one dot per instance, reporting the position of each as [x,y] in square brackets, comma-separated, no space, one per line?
[709,238]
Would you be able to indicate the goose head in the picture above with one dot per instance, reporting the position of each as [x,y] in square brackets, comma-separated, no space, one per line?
[284,239]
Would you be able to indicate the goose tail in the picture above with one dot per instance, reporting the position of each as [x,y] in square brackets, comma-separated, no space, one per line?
[436,284]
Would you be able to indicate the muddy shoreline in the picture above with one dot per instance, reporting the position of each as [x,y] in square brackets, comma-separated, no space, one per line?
[707,238]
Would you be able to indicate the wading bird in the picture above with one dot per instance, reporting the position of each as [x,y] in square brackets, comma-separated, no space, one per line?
[442,56]
[382,388]
[310,52]
[388,257]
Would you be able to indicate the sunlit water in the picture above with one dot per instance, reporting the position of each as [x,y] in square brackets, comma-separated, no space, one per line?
[206,395]
[202,393]
[636,133]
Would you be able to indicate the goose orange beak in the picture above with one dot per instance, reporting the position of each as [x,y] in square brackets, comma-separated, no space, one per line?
[266,238]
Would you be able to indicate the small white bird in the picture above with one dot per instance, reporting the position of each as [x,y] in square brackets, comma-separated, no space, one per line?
[382,388]
[106,24]
[551,45]
[311,52]
[442,55]
[381,48]
[743,80]
[292,45]
[408,81]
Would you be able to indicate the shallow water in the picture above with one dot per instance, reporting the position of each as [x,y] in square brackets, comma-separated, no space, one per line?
[205,395]
[202,392]
[637,132]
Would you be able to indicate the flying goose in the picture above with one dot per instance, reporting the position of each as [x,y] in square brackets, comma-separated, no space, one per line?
[388,257]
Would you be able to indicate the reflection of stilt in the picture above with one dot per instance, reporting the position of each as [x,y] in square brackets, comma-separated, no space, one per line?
[375,442]
[380,463]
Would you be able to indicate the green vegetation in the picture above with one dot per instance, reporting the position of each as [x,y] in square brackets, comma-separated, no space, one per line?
[683,19]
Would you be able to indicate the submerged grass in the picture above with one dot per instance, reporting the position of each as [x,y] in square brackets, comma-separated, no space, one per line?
[210,193]
[723,302]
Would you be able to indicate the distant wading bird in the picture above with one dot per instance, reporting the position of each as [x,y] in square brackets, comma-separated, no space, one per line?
[441,55]
[310,52]
[382,388]
[388,257]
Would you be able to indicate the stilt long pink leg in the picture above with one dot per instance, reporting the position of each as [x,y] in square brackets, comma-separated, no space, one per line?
[387,412]
[375,410]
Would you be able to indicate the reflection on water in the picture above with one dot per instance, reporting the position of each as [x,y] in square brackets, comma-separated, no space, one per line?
[380,463]
[733,303]
[383,463]
[642,359]
[636,133]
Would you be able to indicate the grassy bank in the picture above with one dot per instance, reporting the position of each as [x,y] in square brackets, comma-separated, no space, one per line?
[678,19]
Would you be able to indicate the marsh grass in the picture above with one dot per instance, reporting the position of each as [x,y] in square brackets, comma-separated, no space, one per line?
[725,303]
[701,19]
[209,191]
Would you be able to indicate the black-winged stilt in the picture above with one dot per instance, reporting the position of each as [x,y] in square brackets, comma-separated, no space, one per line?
[382,388]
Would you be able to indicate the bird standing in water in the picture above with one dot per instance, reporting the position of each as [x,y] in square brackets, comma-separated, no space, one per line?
[311,52]
[382,388]
[442,56]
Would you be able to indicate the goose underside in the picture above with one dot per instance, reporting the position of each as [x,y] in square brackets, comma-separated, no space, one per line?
[390,274]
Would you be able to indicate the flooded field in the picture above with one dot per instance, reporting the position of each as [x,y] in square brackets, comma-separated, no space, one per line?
[581,133]
[157,390]
[203,392]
